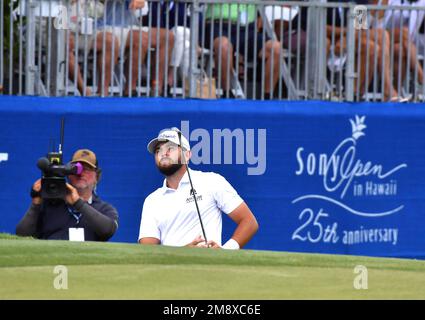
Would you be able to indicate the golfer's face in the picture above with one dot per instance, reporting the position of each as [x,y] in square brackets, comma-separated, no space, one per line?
[167,153]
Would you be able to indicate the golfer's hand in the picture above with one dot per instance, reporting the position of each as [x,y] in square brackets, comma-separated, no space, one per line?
[72,195]
[197,242]
[213,244]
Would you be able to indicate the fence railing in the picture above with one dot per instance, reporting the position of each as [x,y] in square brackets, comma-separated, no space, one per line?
[212,49]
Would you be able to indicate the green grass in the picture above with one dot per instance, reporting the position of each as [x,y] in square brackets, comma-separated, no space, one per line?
[131,271]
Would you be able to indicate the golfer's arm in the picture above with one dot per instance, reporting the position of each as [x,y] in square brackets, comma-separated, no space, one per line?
[247,224]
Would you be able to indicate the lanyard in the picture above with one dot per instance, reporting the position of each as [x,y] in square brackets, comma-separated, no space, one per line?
[75,214]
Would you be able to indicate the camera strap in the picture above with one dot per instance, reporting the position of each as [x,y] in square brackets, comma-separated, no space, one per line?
[75,214]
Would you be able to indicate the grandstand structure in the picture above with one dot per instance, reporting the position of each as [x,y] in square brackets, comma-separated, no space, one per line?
[44,43]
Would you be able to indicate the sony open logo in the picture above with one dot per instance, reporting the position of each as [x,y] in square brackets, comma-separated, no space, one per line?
[342,172]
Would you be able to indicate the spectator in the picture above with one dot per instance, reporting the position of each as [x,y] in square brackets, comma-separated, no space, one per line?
[174,16]
[373,46]
[404,48]
[119,20]
[104,43]
[290,25]
[153,36]
[120,36]
[231,28]
[81,215]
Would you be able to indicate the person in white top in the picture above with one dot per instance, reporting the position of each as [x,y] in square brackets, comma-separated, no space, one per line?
[169,214]
[404,27]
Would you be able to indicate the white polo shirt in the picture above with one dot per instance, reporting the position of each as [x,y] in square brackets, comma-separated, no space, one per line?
[170,215]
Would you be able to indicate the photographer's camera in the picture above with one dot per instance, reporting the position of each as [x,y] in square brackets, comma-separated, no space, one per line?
[53,181]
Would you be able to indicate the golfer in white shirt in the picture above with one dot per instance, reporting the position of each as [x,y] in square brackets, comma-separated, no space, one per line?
[169,214]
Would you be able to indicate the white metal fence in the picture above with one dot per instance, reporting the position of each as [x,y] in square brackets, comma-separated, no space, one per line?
[213,49]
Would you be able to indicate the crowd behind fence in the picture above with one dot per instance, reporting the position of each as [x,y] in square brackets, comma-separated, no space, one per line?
[341,51]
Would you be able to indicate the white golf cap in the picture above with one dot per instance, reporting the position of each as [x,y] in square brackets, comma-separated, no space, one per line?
[168,135]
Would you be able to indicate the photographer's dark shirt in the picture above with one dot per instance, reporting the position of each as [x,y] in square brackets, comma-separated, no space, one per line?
[52,220]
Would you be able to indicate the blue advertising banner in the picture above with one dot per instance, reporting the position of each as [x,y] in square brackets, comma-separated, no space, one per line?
[320,177]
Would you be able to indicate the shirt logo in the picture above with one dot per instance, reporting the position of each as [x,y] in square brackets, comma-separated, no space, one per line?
[191,198]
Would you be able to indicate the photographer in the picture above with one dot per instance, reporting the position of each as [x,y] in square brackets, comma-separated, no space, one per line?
[81,215]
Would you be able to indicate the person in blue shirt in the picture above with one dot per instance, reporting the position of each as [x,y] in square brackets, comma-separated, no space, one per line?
[121,19]
[119,35]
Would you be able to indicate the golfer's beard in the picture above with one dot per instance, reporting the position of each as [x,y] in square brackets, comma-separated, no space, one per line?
[170,170]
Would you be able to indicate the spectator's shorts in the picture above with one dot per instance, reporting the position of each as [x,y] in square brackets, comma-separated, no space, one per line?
[292,39]
[121,34]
